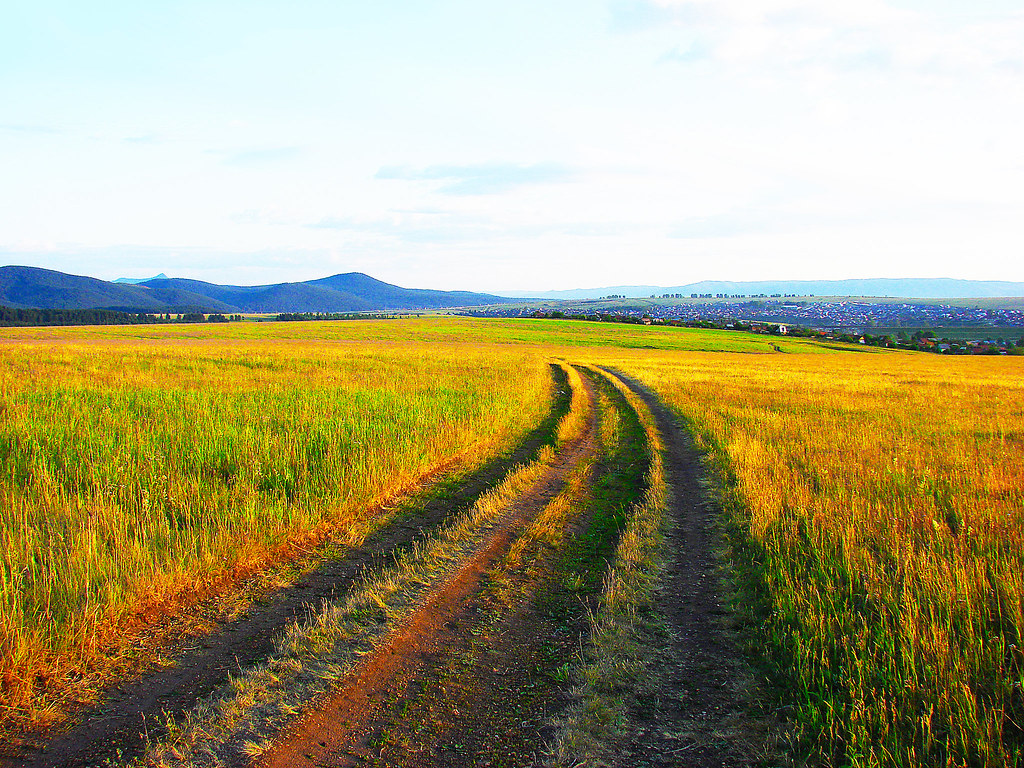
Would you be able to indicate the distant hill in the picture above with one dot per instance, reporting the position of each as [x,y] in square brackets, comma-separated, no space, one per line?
[909,288]
[35,288]
[137,280]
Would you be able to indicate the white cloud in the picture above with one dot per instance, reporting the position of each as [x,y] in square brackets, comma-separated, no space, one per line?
[481,179]
[842,36]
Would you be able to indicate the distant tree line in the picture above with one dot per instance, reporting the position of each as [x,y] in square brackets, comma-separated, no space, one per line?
[28,317]
[11,317]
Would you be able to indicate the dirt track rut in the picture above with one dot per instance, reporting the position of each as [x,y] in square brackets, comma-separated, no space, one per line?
[698,714]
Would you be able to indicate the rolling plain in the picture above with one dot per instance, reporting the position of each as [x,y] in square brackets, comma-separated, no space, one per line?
[506,542]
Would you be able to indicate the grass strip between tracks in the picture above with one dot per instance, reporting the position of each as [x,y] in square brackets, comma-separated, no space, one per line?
[315,655]
[617,658]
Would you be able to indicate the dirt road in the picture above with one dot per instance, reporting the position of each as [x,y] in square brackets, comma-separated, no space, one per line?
[478,672]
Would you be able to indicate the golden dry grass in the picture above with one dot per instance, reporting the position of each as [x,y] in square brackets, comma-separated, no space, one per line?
[138,474]
[874,501]
[881,497]
[314,655]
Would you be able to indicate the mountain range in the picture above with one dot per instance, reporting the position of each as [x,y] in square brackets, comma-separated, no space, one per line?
[137,280]
[35,288]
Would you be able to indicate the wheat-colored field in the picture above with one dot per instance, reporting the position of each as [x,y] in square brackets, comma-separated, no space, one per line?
[873,501]
[877,506]
[137,474]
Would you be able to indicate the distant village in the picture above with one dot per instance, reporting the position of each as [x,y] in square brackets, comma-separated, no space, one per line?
[941,328]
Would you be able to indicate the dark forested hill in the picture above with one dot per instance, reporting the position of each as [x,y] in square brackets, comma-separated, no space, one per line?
[32,287]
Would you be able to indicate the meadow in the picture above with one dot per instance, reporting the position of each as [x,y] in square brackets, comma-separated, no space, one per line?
[547,336]
[872,502]
[875,514]
[138,476]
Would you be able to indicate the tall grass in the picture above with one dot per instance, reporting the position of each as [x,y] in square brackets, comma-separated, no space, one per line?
[574,423]
[314,655]
[875,501]
[878,507]
[135,476]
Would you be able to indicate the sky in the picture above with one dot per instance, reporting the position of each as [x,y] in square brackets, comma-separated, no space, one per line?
[493,146]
